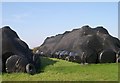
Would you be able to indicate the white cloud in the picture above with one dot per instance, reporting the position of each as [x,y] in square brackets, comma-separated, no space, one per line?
[20,16]
[16,18]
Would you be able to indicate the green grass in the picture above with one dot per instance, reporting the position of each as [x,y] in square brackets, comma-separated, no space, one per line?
[61,70]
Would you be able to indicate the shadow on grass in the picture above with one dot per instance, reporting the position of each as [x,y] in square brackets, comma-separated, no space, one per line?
[45,61]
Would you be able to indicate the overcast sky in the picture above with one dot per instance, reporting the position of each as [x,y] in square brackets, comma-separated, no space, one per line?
[34,21]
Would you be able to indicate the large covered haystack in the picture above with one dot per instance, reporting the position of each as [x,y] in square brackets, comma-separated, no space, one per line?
[90,45]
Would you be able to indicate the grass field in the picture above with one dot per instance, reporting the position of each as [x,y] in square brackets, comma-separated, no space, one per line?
[61,70]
